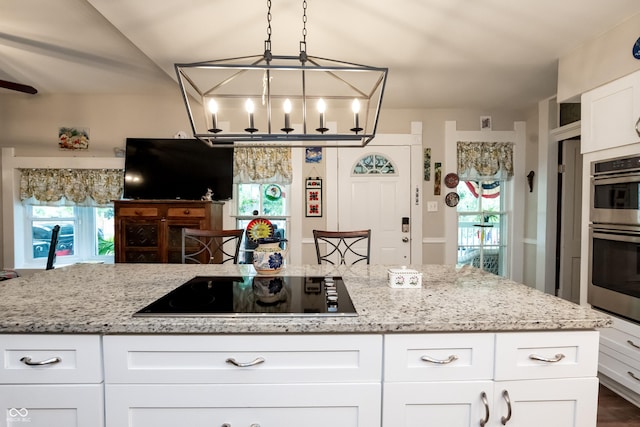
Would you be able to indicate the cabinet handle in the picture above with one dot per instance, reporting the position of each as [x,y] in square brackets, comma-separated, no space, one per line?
[449,359]
[638,126]
[505,396]
[631,343]
[254,362]
[187,211]
[558,357]
[485,402]
[634,376]
[27,361]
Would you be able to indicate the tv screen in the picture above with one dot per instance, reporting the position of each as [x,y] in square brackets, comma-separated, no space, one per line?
[176,169]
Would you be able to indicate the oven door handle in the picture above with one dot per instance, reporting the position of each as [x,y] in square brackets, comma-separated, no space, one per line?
[604,234]
[622,178]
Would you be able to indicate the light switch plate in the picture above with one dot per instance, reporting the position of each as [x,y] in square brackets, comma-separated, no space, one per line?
[432,206]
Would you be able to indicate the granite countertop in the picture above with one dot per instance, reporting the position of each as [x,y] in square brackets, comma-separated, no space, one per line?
[101,299]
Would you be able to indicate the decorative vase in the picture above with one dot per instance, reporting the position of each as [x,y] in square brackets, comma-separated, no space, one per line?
[268,257]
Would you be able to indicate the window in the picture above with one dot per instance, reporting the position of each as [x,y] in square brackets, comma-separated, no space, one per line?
[482,225]
[86,233]
[267,201]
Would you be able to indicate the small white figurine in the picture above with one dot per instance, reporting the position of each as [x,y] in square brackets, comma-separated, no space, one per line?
[208,195]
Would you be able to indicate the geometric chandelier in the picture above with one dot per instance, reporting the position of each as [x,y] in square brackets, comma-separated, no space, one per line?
[268,100]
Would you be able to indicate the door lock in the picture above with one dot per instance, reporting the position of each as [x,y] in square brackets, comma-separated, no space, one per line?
[405,224]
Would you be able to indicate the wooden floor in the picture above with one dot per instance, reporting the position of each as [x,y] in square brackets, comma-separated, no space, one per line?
[614,411]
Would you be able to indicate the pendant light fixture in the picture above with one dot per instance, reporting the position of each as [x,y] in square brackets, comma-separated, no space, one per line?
[271,100]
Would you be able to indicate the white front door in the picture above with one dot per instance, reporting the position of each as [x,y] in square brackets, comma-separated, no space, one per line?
[374,193]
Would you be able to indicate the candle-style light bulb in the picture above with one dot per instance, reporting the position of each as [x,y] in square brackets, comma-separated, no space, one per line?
[286,106]
[355,107]
[250,109]
[322,107]
[213,109]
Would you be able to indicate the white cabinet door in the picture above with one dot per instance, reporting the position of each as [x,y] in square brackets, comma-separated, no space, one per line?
[239,405]
[610,114]
[436,404]
[51,405]
[549,403]
[533,403]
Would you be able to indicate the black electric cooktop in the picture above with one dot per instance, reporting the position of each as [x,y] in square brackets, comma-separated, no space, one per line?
[254,296]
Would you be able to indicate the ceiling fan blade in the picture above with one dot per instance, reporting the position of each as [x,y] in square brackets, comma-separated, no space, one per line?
[18,87]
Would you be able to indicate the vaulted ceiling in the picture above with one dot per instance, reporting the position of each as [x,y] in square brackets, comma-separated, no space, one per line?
[440,53]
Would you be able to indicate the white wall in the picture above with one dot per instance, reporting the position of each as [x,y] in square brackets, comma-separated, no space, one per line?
[599,61]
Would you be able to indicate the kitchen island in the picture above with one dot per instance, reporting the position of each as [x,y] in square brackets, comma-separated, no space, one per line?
[466,347]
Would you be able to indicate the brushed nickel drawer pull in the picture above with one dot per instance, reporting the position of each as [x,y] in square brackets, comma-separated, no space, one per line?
[558,357]
[632,375]
[27,361]
[485,402]
[448,360]
[505,396]
[631,343]
[256,361]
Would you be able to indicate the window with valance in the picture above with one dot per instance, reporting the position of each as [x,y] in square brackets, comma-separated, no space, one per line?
[261,165]
[71,187]
[484,161]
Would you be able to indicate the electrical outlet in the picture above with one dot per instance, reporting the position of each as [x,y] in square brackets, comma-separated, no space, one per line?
[432,206]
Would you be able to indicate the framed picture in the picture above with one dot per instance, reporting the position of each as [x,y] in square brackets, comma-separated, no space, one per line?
[485,122]
[313,197]
[70,138]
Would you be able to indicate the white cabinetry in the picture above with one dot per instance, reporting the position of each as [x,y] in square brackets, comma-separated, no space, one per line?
[620,358]
[242,381]
[51,381]
[611,114]
[462,380]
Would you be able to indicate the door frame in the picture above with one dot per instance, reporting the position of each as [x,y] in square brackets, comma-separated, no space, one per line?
[414,140]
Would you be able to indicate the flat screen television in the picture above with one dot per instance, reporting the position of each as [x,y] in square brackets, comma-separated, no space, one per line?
[159,168]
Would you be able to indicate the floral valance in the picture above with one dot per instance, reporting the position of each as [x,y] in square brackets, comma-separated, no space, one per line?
[82,187]
[485,160]
[261,165]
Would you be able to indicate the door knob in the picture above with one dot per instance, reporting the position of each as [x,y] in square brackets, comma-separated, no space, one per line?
[405,239]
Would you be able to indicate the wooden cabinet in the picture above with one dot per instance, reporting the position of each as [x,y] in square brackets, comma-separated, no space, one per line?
[51,381]
[458,380]
[292,380]
[611,114]
[620,359]
[150,231]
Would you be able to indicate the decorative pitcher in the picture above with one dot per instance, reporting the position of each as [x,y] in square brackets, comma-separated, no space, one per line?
[268,257]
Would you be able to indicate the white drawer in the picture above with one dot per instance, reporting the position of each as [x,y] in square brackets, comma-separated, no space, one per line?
[621,369]
[269,359]
[432,357]
[47,359]
[568,354]
[624,337]
[67,405]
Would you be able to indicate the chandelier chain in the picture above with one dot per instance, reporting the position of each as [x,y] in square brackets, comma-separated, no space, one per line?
[269,20]
[304,21]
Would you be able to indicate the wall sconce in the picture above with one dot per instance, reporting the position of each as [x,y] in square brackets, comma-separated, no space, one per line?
[530,180]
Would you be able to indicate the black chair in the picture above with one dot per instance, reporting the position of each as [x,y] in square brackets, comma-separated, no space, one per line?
[51,258]
[343,247]
[210,246]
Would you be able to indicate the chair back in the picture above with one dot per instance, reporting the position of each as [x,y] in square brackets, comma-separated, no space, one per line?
[51,258]
[210,246]
[343,247]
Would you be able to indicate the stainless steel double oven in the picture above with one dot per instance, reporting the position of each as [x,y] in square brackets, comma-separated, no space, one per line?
[614,255]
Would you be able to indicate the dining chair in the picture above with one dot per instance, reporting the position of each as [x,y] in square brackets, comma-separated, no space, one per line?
[343,247]
[51,258]
[210,246]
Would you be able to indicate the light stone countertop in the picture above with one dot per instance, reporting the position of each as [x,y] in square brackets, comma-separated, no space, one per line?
[101,299]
